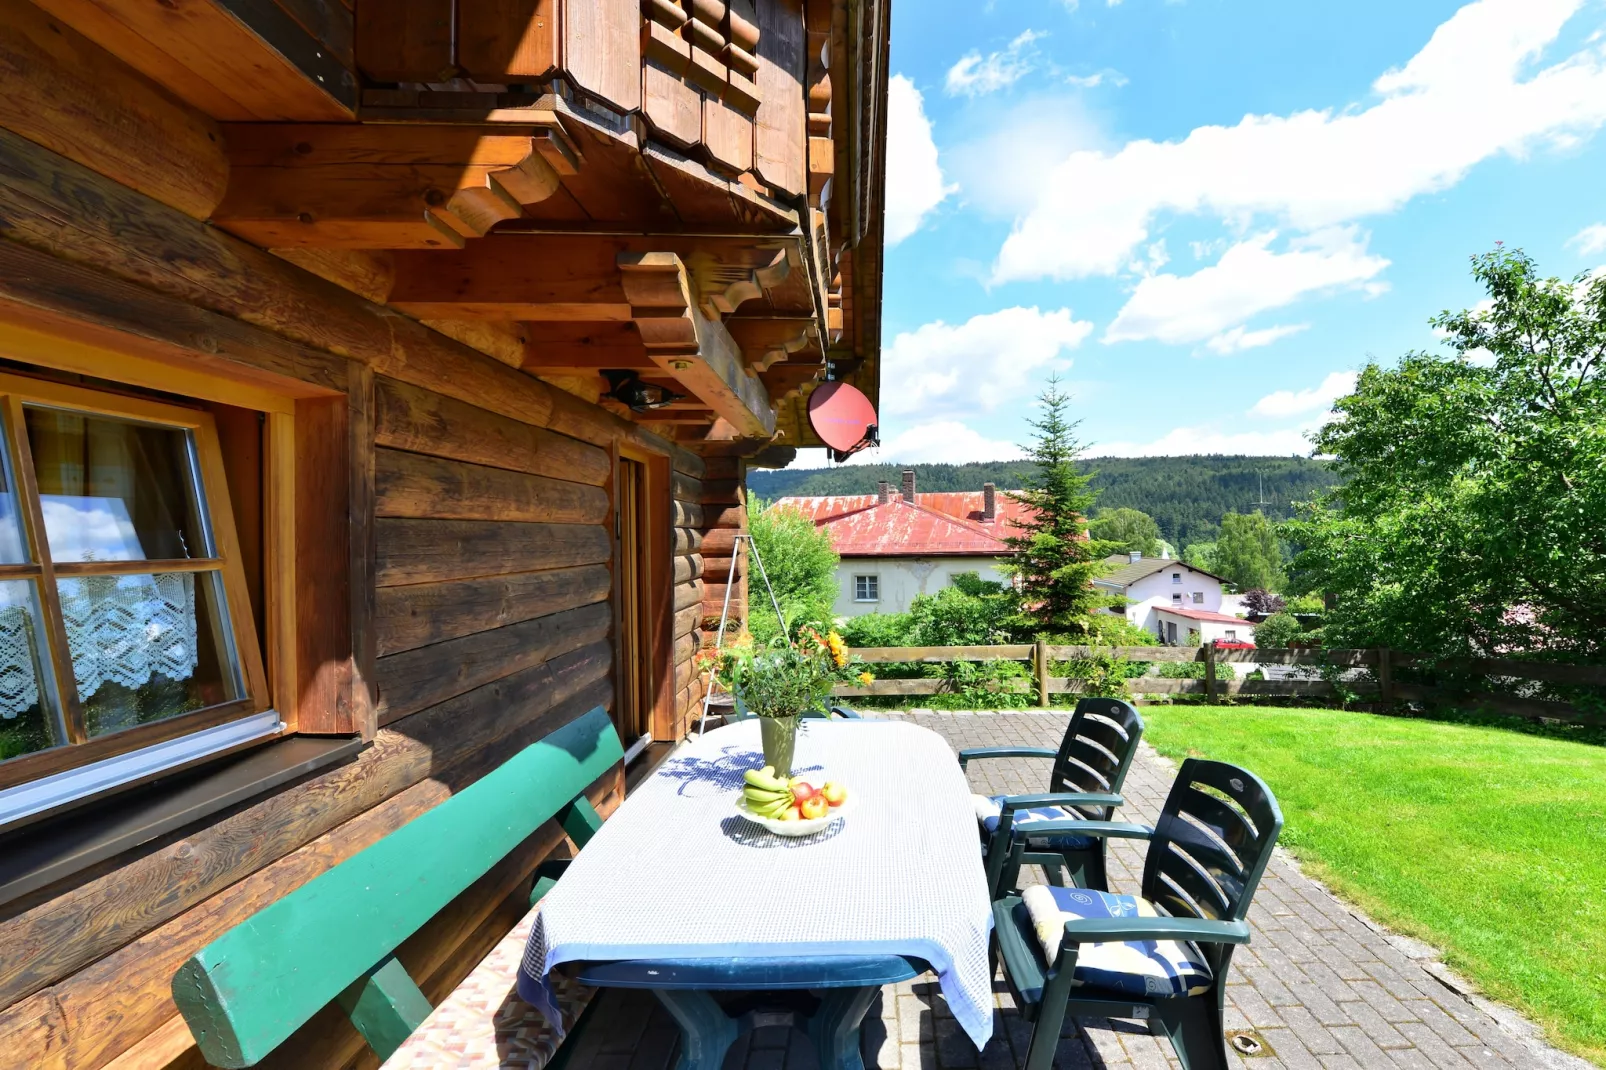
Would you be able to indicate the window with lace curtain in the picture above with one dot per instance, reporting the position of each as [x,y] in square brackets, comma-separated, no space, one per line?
[124,617]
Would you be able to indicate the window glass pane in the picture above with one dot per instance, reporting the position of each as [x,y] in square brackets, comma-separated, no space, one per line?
[29,717]
[148,647]
[13,544]
[115,490]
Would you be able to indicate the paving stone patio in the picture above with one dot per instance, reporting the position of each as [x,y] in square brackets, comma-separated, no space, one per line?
[1320,985]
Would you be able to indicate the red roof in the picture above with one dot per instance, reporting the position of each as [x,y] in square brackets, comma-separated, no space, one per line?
[860,528]
[1203,614]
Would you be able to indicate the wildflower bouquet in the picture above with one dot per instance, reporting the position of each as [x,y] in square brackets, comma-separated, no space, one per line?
[783,680]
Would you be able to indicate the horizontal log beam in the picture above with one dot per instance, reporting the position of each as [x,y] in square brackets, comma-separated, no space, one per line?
[383,186]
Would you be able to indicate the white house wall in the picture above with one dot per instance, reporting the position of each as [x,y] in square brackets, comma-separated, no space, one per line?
[1153,593]
[902,578]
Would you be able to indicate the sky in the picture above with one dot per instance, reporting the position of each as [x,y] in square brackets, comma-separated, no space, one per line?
[1205,215]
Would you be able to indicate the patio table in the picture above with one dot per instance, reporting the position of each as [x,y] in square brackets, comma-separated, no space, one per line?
[680,894]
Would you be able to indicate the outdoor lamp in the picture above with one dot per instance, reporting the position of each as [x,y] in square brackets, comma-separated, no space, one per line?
[630,390]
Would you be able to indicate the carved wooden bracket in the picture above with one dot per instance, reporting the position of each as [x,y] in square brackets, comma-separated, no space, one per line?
[721,286]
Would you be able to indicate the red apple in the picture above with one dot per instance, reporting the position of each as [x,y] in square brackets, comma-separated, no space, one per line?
[834,793]
[803,791]
[815,806]
[791,813]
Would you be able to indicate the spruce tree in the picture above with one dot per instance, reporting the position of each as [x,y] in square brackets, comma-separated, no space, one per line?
[1054,562]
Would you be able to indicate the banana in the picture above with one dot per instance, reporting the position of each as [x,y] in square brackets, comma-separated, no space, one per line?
[762,780]
[759,798]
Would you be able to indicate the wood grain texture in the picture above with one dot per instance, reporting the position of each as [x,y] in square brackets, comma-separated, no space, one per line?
[413,485]
[507,40]
[108,948]
[229,50]
[51,203]
[780,135]
[68,94]
[417,679]
[428,551]
[687,569]
[504,340]
[409,42]
[323,636]
[420,614]
[672,108]
[602,50]
[76,301]
[410,418]
[727,134]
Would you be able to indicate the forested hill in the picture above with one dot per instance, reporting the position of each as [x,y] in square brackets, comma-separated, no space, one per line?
[1186,495]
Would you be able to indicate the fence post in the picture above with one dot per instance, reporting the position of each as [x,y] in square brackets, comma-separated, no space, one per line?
[1385,677]
[1042,673]
[1210,672]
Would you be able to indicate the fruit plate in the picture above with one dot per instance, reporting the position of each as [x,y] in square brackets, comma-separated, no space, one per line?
[803,827]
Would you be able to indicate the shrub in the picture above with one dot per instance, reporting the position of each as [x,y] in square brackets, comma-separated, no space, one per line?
[801,567]
[1277,630]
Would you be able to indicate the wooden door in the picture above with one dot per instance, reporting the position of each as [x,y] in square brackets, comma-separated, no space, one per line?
[633,713]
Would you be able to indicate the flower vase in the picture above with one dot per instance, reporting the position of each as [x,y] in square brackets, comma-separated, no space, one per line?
[779,735]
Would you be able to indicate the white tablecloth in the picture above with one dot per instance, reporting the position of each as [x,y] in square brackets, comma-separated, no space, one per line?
[675,873]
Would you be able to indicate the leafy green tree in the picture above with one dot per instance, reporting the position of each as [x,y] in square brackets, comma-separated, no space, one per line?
[1054,561]
[1127,530]
[1277,630]
[1201,555]
[1473,514]
[876,629]
[969,612]
[801,567]
[1247,552]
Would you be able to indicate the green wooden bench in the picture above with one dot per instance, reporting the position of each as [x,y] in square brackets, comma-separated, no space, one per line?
[334,938]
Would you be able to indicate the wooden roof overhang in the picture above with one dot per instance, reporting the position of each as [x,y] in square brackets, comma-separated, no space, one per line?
[688,189]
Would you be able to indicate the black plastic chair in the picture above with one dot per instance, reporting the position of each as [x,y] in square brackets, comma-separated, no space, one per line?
[1163,956]
[1085,781]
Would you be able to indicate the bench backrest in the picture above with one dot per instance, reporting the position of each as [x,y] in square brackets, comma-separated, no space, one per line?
[1098,748]
[248,990]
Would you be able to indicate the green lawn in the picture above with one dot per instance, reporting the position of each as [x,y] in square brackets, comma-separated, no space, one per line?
[1488,843]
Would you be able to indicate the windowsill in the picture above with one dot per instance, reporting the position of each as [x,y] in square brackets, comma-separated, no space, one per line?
[57,847]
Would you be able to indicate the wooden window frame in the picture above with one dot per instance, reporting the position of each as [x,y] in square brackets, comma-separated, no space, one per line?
[81,749]
[317,470]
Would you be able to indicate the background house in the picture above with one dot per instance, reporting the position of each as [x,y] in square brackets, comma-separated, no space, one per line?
[1168,598]
[895,546]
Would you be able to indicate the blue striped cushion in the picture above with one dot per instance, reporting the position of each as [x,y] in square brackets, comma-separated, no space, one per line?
[1132,968]
[988,809]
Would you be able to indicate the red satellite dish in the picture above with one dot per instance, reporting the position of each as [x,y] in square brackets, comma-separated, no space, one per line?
[843,418]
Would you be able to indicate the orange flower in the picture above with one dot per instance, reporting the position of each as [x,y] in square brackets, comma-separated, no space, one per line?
[866,678]
[838,648]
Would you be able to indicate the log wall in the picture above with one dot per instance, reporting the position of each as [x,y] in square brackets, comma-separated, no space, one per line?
[492,616]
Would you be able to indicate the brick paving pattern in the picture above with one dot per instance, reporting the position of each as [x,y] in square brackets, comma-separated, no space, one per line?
[1320,985]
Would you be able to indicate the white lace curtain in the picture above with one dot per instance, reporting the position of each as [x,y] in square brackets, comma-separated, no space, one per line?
[122,629]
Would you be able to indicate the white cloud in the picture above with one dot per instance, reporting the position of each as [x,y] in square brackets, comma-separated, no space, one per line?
[1248,279]
[1285,403]
[938,442]
[914,175]
[1189,440]
[1590,240]
[1241,338]
[950,370]
[1460,100]
[1005,168]
[975,75]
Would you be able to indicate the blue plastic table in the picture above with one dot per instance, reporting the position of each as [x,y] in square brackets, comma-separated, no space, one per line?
[734,928]
[846,985]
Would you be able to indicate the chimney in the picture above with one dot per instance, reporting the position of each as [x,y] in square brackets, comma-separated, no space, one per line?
[1135,556]
[989,502]
[909,485]
[883,493]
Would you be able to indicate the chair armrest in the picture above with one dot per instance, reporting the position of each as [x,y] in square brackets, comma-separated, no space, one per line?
[850,714]
[1115,830]
[1012,803]
[1200,930]
[965,756]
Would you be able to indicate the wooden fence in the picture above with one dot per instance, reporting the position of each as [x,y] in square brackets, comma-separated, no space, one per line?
[1379,681]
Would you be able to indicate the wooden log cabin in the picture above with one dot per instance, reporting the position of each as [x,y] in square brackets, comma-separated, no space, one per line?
[378,382]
